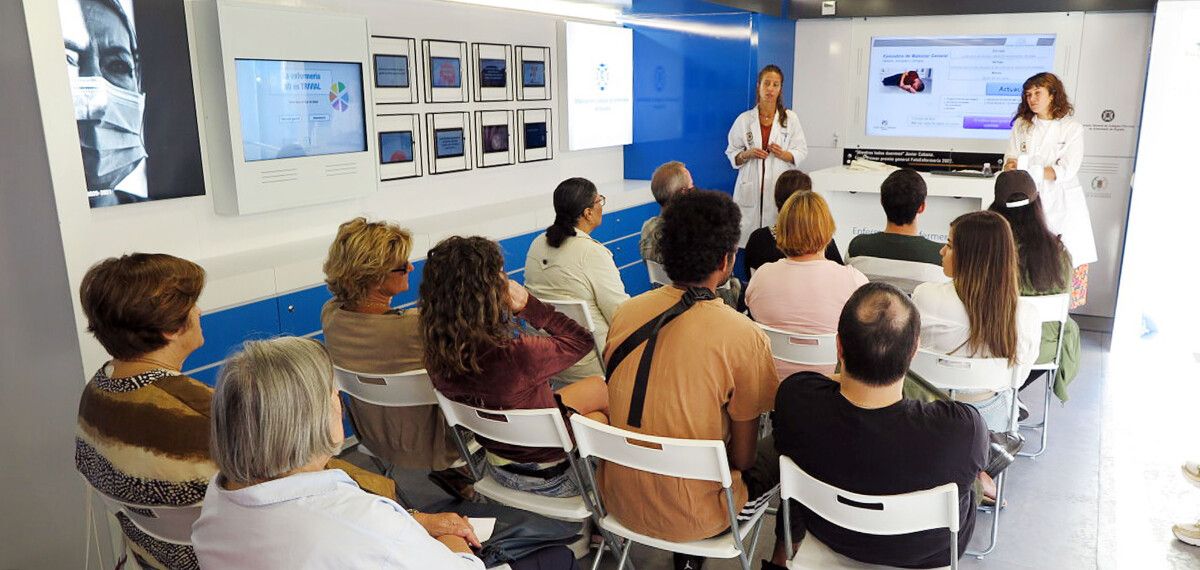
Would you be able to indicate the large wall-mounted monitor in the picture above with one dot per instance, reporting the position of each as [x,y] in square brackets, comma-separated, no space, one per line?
[599,94]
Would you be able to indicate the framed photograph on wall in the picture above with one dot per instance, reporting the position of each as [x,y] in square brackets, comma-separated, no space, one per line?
[446,79]
[535,135]
[393,69]
[450,141]
[496,143]
[493,72]
[533,73]
[399,143]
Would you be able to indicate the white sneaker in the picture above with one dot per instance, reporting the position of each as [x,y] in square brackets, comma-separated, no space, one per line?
[1191,472]
[1188,533]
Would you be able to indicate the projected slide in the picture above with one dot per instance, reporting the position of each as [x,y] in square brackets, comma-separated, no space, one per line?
[300,108]
[599,85]
[449,143]
[951,86]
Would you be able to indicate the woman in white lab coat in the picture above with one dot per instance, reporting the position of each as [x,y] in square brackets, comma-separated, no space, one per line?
[764,142]
[1048,142]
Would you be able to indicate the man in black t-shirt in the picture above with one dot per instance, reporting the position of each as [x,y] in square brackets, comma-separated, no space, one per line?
[858,433]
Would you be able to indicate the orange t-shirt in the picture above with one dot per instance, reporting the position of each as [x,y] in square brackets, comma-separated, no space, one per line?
[712,365]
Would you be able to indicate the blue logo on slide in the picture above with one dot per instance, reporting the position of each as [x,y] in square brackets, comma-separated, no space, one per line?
[602,76]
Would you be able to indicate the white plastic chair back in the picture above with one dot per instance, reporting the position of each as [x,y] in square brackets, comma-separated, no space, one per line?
[807,349]
[167,524]
[871,514]
[905,275]
[578,311]
[392,390]
[658,273]
[1051,309]
[685,458]
[963,373]
[529,428]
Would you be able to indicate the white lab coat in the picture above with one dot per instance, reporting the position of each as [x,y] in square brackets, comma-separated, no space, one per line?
[754,192]
[1058,144]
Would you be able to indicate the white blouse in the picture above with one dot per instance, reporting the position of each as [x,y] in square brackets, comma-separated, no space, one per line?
[945,325]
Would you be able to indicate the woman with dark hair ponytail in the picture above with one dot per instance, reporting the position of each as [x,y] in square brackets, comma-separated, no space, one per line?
[566,263]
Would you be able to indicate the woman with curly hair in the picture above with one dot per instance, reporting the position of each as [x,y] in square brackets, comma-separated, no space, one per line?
[476,355]
[367,265]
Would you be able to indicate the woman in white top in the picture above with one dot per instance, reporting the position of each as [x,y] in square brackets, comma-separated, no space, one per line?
[764,142]
[566,263]
[803,292]
[1048,142]
[276,421]
[980,313]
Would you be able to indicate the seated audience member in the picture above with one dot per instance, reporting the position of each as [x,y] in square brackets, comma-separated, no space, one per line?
[143,435]
[368,264]
[668,180]
[1045,265]
[760,246]
[857,432]
[710,377]
[276,422]
[804,292]
[566,263]
[979,312]
[899,254]
[476,356]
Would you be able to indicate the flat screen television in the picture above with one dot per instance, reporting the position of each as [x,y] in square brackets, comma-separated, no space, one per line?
[495,138]
[492,73]
[535,135]
[395,147]
[391,70]
[300,108]
[448,143]
[533,73]
[445,72]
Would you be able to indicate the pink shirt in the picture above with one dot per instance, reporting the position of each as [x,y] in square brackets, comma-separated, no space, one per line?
[801,297]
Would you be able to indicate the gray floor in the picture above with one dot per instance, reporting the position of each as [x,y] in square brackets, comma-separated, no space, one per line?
[1106,492]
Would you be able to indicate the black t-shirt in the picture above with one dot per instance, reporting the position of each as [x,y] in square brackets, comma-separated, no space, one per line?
[908,446]
[761,250]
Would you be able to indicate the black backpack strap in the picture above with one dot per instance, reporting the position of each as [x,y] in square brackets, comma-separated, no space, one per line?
[648,333]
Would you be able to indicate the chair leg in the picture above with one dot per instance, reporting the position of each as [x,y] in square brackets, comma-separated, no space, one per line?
[756,533]
[624,555]
[1044,425]
[995,530]
[599,555]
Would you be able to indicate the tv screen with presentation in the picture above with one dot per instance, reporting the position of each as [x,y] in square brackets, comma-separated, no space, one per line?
[300,108]
[495,138]
[395,147]
[391,70]
[535,135]
[445,72]
[492,73]
[533,73]
[951,86]
[448,143]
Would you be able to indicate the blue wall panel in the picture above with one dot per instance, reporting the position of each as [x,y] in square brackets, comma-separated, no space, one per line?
[776,43]
[226,329]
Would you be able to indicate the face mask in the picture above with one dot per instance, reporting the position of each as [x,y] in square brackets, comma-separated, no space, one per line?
[110,122]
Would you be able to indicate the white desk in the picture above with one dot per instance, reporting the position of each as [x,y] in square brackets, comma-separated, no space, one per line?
[853,198]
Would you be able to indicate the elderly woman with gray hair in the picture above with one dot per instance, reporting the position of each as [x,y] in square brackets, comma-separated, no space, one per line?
[276,422]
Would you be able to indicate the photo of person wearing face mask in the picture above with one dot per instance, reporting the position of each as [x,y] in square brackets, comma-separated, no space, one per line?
[127,91]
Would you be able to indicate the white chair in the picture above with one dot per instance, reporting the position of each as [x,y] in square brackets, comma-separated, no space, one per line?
[957,373]
[530,428]
[1050,309]
[869,514]
[578,311]
[401,390]
[703,460]
[905,275]
[658,273]
[172,525]
[806,349]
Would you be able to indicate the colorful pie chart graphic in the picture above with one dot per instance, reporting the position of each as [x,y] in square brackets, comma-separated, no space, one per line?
[339,96]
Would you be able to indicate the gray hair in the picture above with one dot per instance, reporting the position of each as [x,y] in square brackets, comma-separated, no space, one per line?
[271,409]
[668,180]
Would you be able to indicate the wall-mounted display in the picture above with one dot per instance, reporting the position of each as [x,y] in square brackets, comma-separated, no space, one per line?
[394,66]
[449,140]
[136,110]
[399,141]
[496,146]
[597,95]
[535,69]
[536,135]
[445,62]
[493,69]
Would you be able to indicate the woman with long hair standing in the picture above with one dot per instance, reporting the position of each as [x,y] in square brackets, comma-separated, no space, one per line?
[764,142]
[1047,142]
[979,313]
[476,355]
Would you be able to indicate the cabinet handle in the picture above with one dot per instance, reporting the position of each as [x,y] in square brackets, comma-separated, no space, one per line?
[291,308]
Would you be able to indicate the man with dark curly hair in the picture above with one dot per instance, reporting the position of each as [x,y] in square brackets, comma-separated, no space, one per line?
[710,376]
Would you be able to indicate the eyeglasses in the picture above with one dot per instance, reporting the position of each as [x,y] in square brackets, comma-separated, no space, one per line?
[401,269]
[600,200]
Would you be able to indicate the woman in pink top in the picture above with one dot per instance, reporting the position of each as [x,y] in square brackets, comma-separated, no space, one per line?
[804,292]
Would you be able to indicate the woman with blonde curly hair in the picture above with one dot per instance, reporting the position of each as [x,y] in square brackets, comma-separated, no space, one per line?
[476,355]
[368,264]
